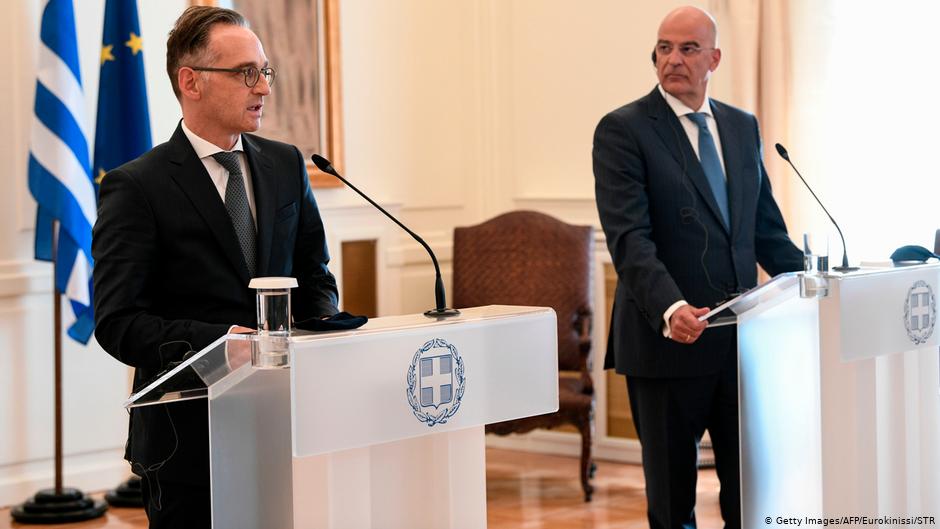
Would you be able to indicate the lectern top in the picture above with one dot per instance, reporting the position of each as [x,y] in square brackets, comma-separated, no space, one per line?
[191,378]
[762,294]
[219,362]
[411,321]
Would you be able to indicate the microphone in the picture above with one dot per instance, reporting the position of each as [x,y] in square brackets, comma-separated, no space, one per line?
[845,258]
[441,311]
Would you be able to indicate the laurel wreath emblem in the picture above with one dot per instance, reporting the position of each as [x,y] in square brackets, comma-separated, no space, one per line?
[919,336]
[432,419]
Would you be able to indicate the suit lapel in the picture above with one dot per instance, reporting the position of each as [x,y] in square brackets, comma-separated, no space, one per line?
[670,130]
[265,189]
[190,175]
[731,152]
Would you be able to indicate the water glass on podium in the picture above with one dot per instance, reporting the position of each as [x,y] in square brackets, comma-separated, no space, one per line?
[814,284]
[272,348]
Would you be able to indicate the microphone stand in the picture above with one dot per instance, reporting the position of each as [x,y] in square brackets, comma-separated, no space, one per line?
[441,310]
[845,258]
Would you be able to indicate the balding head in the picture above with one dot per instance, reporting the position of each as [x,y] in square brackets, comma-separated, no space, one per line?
[687,54]
[691,16]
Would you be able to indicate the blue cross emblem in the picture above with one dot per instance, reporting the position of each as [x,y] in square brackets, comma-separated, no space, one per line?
[437,380]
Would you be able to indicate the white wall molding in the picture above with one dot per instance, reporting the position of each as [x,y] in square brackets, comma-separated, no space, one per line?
[21,278]
[363,222]
[408,252]
[573,210]
[90,472]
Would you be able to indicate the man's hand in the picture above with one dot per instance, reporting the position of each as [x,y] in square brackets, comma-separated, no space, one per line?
[238,352]
[684,326]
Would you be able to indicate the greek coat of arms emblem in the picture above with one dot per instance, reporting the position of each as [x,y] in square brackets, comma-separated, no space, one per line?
[920,312]
[436,382]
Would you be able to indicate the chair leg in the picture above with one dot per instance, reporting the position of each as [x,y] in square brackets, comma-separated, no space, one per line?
[587,461]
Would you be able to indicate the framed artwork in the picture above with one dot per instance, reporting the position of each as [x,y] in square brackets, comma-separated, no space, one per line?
[301,41]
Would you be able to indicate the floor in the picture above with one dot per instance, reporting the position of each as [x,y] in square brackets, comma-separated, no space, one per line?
[529,491]
[524,491]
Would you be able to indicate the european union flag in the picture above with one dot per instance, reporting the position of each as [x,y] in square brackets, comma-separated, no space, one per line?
[123,128]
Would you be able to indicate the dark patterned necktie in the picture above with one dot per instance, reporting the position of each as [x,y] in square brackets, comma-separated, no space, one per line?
[711,164]
[236,203]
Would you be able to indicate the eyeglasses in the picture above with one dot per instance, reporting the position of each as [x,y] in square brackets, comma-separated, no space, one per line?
[686,50]
[252,74]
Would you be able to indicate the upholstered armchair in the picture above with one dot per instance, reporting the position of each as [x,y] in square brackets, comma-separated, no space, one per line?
[529,258]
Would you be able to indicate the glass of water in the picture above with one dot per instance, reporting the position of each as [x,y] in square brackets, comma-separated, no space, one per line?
[272,295]
[815,265]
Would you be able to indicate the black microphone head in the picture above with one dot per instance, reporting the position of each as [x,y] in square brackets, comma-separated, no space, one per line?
[323,164]
[782,152]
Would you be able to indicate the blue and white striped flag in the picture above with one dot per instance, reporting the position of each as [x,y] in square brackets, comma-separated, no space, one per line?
[60,177]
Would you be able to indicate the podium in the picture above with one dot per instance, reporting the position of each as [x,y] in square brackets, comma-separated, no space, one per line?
[840,399]
[379,427]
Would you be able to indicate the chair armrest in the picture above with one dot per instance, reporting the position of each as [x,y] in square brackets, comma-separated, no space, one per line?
[583,323]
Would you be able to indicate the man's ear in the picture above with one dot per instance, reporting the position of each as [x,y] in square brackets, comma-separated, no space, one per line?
[716,58]
[188,81]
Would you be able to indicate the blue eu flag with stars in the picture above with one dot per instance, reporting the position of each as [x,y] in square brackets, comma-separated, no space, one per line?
[122,132]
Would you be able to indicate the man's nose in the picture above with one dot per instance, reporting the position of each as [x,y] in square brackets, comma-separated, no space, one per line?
[262,87]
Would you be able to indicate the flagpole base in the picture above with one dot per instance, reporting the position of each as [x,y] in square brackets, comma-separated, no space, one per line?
[127,494]
[48,507]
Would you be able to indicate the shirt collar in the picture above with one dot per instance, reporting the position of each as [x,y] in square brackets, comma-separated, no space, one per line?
[205,148]
[679,107]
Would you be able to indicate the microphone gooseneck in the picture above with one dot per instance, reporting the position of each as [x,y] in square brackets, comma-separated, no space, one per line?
[440,298]
[845,257]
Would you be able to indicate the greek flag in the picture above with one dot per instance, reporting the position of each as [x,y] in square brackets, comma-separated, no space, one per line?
[60,176]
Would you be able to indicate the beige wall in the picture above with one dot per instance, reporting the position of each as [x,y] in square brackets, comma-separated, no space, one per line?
[446,103]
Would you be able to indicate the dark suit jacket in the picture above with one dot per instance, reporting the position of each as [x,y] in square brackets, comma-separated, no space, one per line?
[168,267]
[666,236]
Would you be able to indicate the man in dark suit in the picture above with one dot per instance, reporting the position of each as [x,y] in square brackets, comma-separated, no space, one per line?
[687,209]
[182,230]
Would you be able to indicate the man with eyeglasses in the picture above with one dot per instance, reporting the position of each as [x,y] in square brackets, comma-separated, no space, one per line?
[182,230]
[687,209]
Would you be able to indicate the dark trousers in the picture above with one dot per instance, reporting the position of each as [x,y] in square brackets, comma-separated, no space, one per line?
[671,415]
[172,505]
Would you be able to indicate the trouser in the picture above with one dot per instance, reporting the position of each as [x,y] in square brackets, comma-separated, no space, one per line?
[671,415]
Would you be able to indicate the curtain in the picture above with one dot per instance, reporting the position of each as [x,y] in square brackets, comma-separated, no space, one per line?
[756,75]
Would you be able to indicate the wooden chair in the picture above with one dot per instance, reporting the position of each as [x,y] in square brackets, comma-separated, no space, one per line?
[528,258]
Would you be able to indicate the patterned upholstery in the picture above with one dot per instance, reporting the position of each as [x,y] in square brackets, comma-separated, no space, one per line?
[528,258]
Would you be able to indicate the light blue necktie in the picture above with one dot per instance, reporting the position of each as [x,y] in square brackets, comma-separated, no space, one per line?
[711,164]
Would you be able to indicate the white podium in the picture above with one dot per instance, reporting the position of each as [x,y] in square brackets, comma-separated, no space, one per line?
[377,427]
[840,400]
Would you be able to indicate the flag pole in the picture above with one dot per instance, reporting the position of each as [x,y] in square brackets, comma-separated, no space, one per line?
[57,346]
[59,504]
